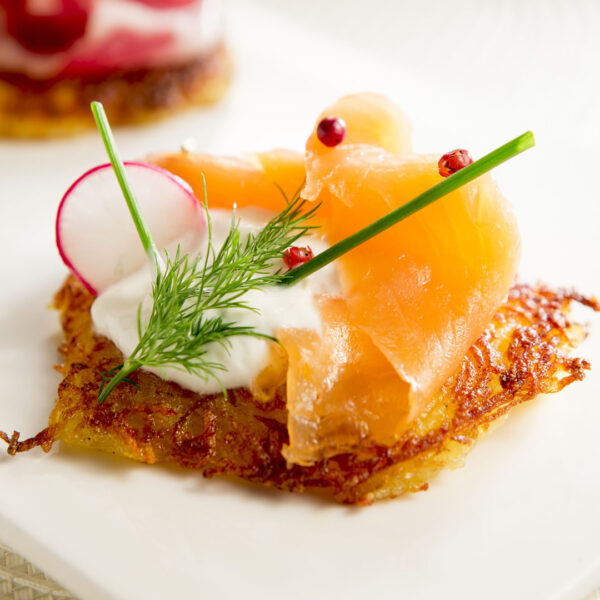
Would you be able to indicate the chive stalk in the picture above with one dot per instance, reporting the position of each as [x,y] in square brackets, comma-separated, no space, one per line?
[154,257]
[451,183]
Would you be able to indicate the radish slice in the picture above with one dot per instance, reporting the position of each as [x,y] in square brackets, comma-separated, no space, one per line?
[95,234]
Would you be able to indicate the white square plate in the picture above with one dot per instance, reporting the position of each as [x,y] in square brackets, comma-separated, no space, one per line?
[519,521]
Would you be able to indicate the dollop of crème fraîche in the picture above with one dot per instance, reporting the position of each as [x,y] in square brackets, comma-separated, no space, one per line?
[114,312]
[44,39]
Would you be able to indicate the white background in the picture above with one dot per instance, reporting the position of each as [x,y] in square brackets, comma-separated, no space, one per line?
[521,519]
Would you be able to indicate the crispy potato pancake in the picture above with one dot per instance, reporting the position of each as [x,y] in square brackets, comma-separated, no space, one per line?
[523,353]
[32,108]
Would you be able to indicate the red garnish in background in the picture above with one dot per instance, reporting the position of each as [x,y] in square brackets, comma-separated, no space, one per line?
[297,255]
[45,33]
[166,4]
[331,131]
[454,161]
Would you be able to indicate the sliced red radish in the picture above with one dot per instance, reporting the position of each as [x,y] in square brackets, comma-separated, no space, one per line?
[96,236]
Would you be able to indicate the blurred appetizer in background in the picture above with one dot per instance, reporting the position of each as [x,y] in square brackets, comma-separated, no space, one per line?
[352,339]
[144,59]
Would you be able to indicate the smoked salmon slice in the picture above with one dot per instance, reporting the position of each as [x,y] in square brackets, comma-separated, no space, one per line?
[252,180]
[340,388]
[415,298]
[420,293]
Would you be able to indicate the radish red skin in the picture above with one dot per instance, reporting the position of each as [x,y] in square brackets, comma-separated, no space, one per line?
[182,186]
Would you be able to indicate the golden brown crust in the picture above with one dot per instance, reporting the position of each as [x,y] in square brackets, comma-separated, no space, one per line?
[31,108]
[521,354]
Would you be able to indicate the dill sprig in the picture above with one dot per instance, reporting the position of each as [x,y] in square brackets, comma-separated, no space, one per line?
[186,291]
[179,330]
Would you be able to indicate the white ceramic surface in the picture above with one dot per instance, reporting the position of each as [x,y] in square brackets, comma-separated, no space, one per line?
[520,521]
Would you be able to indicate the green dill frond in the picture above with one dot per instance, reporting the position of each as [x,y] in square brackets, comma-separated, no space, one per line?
[178,330]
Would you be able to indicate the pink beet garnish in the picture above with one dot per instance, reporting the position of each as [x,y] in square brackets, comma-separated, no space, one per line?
[54,30]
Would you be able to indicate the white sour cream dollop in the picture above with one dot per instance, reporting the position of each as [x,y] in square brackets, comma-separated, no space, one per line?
[114,312]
